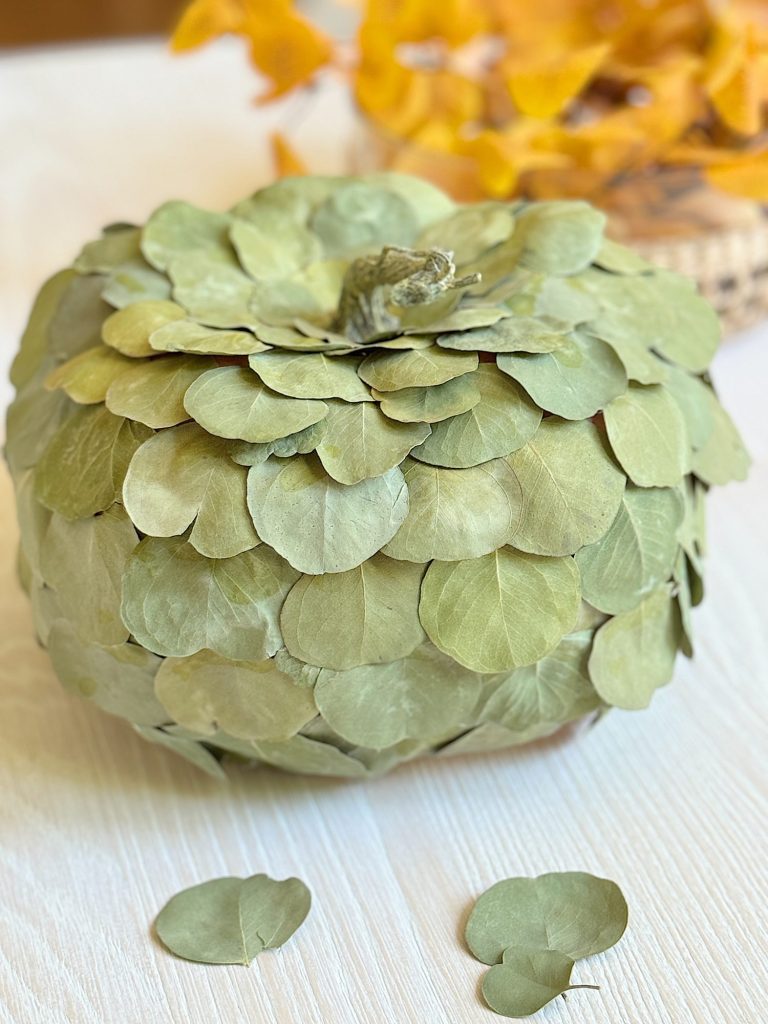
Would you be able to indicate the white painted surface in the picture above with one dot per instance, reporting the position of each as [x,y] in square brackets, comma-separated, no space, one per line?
[98,829]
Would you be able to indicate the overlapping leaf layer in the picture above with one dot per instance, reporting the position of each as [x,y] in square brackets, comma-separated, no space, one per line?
[352,473]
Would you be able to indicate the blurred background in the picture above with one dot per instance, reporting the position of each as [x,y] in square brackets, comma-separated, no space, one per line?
[58,21]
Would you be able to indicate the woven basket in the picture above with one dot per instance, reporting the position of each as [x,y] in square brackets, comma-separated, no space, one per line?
[730,267]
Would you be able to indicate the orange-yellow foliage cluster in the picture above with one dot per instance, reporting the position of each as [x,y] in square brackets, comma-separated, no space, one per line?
[536,97]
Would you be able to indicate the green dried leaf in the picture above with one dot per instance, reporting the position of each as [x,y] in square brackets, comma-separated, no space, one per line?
[184,475]
[636,554]
[84,561]
[358,217]
[176,601]
[250,700]
[268,255]
[310,375]
[571,488]
[310,339]
[152,391]
[177,229]
[82,469]
[694,398]
[34,418]
[318,524]
[364,616]
[556,690]
[569,911]
[230,401]
[722,457]
[392,371]
[621,260]
[427,202]
[214,290]
[309,757]
[527,979]
[441,317]
[634,652]
[361,442]
[77,320]
[86,377]
[504,419]
[470,231]
[648,436]
[135,281]
[128,330]
[33,347]
[423,696]
[456,513]
[301,443]
[472,610]
[232,920]
[510,334]
[430,405]
[187,336]
[118,678]
[195,753]
[560,237]
[114,248]
[575,381]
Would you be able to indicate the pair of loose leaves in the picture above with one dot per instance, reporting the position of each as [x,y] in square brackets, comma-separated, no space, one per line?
[533,930]
[232,920]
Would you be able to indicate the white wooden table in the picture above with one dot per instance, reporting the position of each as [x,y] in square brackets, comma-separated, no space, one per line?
[98,829]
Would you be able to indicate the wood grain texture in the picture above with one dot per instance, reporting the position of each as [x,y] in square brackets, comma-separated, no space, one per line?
[98,828]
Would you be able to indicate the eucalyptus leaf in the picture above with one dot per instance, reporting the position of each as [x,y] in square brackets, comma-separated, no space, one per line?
[558,237]
[648,435]
[301,443]
[722,457]
[128,330]
[152,391]
[310,375]
[575,381]
[135,281]
[363,616]
[33,347]
[86,377]
[571,489]
[357,217]
[109,251]
[570,911]
[634,652]
[503,420]
[470,231]
[473,611]
[636,554]
[306,756]
[269,255]
[430,404]
[184,475]
[510,334]
[176,229]
[456,513]
[191,751]
[232,920]
[76,322]
[81,471]
[187,336]
[177,602]
[318,524]
[391,371]
[250,700]
[422,696]
[527,979]
[359,441]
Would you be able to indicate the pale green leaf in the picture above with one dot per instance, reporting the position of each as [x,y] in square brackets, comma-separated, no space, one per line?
[526,980]
[250,700]
[187,336]
[501,611]
[128,330]
[318,524]
[306,756]
[191,751]
[558,237]
[510,334]
[177,228]
[268,255]
[393,371]
[184,475]
[470,231]
[86,377]
[33,347]
[357,217]
[310,375]
[456,513]
[366,615]
[430,405]
[176,601]
[135,281]
[77,320]
[116,246]
[722,457]
[301,443]
[648,436]
[361,442]
[152,391]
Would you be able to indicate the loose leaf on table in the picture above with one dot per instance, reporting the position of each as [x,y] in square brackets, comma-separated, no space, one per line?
[183,475]
[84,561]
[86,377]
[648,436]
[118,678]
[575,381]
[456,513]
[363,616]
[359,441]
[250,700]
[424,696]
[176,601]
[187,336]
[430,405]
[501,611]
[503,420]
[528,979]
[231,401]
[152,391]
[555,690]
[393,371]
[509,334]
[638,551]
[572,912]
[634,653]
[232,920]
[128,330]
[318,524]
[82,469]
[571,488]
[310,375]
